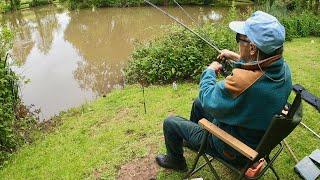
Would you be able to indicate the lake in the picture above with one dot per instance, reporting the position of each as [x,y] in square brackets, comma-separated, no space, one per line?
[68,58]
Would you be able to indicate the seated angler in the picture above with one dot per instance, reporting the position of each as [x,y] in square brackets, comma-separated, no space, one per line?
[244,103]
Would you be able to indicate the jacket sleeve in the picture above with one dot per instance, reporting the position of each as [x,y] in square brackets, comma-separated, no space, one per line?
[219,99]
[214,97]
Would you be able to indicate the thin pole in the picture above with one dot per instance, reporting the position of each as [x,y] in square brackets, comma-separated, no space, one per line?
[186,13]
[175,19]
[310,130]
[198,24]
[290,151]
[144,100]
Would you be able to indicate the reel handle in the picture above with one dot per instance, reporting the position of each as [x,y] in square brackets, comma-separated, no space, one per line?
[226,67]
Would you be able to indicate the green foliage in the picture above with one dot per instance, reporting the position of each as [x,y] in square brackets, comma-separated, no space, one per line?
[177,56]
[16,121]
[4,7]
[102,136]
[298,22]
[35,3]
[78,4]
[180,55]
[13,4]
[8,97]
[301,25]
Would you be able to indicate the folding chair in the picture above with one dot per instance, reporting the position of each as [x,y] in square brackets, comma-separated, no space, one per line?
[280,127]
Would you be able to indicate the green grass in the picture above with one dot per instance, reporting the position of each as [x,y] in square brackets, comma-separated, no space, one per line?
[97,138]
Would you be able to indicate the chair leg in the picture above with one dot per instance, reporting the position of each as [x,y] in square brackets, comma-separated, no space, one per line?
[274,172]
[241,176]
[200,153]
[214,172]
[272,168]
[192,170]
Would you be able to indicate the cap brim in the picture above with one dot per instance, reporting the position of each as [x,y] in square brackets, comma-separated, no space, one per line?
[237,26]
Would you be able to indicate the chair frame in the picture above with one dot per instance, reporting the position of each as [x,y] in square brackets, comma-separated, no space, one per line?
[252,155]
[201,153]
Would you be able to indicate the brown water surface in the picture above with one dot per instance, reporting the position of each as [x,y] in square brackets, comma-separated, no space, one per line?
[71,57]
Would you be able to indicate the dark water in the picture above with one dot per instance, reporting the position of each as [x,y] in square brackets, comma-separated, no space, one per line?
[68,58]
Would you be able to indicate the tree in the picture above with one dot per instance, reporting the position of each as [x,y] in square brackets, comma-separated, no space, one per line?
[316,6]
[13,5]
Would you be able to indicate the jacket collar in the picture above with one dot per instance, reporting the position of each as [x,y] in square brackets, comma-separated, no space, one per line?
[264,64]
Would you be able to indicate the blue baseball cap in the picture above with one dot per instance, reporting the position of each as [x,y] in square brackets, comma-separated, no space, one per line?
[263,29]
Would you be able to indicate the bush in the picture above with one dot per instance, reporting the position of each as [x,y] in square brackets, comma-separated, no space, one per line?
[35,3]
[181,56]
[78,4]
[8,97]
[4,7]
[301,25]
[178,56]
[298,22]
[16,121]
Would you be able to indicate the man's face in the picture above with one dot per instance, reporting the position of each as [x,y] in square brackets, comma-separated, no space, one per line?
[246,48]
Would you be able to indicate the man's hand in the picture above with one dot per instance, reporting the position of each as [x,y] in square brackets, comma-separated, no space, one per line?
[215,66]
[226,54]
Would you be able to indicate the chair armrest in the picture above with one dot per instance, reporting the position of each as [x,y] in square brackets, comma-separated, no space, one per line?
[228,139]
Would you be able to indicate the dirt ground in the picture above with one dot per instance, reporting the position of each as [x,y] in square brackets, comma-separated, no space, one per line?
[140,169]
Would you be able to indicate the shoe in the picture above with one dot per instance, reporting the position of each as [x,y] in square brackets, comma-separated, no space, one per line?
[170,163]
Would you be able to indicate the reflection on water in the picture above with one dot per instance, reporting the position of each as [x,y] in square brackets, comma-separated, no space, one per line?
[215,16]
[73,57]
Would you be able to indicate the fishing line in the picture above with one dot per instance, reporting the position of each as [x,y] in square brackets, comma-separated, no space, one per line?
[175,19]
[228,61]
[210,43]
[185,12]
[190,17]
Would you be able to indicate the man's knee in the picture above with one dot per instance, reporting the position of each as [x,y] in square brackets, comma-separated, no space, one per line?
[197,111]
[169,122]
[197,103]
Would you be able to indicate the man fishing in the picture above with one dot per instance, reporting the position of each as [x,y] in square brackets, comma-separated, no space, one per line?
[242,104]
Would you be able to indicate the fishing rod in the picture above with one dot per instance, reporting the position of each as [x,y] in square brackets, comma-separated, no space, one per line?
[185,12]
[224,70]
[179,22]
[226,64]
[189,16]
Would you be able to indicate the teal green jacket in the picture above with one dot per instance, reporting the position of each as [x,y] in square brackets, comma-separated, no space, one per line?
[248,97]
[244,103]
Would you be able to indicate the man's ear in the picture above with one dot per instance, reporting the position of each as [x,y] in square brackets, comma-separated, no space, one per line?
[253,49]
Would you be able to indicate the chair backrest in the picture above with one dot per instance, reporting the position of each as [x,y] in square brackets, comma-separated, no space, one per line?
[280,127]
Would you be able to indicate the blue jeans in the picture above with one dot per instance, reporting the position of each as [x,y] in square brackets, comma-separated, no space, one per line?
[176,129]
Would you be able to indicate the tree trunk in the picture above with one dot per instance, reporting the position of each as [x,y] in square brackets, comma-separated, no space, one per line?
[13,5]
[304,4]
[271,3]
[316,7]
[310,4]
[165,3]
